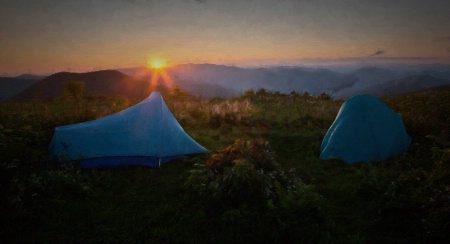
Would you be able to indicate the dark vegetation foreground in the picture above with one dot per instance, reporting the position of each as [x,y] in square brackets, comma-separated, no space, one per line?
[262,182]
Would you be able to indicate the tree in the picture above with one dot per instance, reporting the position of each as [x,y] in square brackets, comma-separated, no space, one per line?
[325,96]
[73,90]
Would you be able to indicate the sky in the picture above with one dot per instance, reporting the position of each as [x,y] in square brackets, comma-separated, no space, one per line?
[48,36]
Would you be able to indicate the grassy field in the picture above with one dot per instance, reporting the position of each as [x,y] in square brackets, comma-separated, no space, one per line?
[262,181]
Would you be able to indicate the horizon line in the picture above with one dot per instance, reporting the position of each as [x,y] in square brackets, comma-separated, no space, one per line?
[331,63]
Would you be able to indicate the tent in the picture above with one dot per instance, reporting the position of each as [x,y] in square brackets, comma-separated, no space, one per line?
[144,134]
[364,130]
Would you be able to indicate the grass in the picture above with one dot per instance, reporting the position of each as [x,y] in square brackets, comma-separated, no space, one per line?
[291,197]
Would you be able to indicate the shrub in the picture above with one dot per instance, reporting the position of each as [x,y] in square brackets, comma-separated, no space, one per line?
[256,153]
[245,172]
[243,189]
[325,96]
[73,90]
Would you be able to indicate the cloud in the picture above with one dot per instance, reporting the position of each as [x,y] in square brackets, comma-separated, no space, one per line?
[416,58]
[378,52]
[367,59]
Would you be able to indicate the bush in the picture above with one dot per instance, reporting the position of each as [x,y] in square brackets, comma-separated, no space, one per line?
[242,193]
[325,96]
[244,189]
[245,172]
[73,90]
[256,152]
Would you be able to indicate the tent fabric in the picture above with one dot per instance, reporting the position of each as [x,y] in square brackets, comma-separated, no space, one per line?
[144,134]
[365,130]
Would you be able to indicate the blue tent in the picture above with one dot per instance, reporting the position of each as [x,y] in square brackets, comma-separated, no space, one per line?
[364,130]
[144,134]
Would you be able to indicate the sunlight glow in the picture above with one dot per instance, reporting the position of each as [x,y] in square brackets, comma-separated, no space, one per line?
[156,63]
[158,74]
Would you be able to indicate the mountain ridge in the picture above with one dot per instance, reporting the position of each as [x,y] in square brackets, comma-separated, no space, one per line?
[103,82]
[11,86]
[211,80]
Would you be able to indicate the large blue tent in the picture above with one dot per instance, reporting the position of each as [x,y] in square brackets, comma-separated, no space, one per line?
[144,134]
[365,130]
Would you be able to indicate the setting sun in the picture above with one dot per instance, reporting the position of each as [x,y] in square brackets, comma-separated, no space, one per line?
[159,75]
[156,63]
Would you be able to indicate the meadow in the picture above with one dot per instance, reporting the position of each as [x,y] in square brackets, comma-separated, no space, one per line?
[263,181]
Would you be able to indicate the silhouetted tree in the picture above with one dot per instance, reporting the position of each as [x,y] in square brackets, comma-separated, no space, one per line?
[73,90]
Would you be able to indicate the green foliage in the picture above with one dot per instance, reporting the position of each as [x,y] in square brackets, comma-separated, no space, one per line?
[246,191]
[256,152]
[262,183]
[424,195]
[426,115]
[325,96]
[73,90]
[299,112]
[243,173]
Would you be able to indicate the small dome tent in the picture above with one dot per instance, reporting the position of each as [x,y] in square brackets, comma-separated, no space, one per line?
[144,134]
[364,130]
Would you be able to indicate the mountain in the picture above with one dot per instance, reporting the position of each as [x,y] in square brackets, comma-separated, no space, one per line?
[366,77]
[210,80]
[10,86]
[104,82]
[196,87]
[437,74]
[419,67]
[227,77]
[439,88]
[30,77]
[407,84]
[135,71]
[283,79]
[205,90]
[314,81]
[220,80]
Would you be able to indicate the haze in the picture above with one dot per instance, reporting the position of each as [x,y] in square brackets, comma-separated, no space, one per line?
[48,36]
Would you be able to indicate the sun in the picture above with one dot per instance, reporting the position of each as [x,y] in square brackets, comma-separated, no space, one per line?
[156,64]
[158,73]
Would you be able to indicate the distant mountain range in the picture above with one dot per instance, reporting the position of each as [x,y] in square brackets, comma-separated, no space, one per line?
[209,80]
[104,82]
[10,86]
[407,84]
[365,80]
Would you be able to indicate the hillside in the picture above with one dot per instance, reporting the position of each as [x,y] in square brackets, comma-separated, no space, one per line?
[30,76]
[294,198]
[231,81]
[407,84]
[282,79]
[105,83]
[209,80]
[10,86]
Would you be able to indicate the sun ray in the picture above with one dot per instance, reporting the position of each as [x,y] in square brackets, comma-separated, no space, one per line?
[156,63]
[159,75]
[154,80]
[166,78]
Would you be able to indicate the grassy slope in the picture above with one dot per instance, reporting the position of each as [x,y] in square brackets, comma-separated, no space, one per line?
[402,199]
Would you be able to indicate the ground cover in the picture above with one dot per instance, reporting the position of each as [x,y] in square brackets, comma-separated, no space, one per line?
[262,181]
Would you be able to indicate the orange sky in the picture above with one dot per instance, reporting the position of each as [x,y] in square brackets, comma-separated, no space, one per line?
[49,36]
